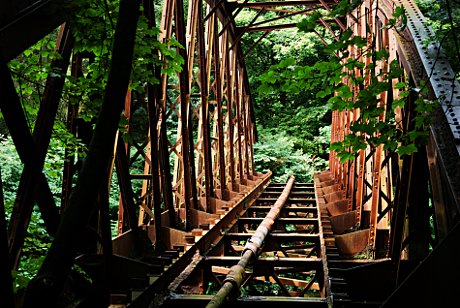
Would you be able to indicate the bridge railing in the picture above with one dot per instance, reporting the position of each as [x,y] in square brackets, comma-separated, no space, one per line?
[394,196]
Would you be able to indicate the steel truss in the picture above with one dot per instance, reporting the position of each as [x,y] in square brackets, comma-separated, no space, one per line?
[199,176]
[381,203]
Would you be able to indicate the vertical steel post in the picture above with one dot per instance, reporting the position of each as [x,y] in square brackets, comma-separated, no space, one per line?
[153,109]
[220,122]
[230,78]
[50,280]
[166,180]
[126,210]
[238,127]
[185,113]
[208,182]
[72,112]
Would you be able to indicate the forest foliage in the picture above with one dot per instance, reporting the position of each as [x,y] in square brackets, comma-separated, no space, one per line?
[376,124]
[293,128]
[93,28]
[292,77]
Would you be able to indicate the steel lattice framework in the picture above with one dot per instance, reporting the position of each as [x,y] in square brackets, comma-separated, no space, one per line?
[200,193]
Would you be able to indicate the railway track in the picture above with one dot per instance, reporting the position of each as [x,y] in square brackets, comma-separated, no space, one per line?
[296,261]
[289,266]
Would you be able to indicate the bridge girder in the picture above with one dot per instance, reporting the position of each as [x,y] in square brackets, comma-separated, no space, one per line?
[212,151]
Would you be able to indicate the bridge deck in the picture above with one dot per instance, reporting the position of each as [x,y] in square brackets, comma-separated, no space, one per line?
[291,264]
[298,262]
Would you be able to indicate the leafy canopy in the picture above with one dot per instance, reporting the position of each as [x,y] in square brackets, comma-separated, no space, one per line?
[350,83]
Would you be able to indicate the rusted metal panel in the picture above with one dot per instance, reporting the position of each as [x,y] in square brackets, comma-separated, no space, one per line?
[337,207]
[349,244]
[343,222]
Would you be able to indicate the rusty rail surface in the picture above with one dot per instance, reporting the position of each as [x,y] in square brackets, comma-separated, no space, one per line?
[251,250]
[278,243]
[195,248]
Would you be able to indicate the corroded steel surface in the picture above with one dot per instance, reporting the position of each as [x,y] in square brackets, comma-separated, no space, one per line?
[369,206]
[234,278]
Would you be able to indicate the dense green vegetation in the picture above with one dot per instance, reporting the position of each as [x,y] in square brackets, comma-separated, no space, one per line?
[444,18]
[293,127]
[38,240]
[293,114]
[370,129]
[93,28]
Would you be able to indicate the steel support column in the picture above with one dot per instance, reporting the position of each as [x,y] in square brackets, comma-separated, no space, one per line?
[46,287]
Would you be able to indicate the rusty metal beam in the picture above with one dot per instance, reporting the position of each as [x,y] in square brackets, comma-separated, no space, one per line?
[128,219]
[43,290]
[188,175]
[237,122]
[230,78]
[304,264]
[242,30]
[32,178]
[230,19]
[213,10]
[282,220]
[375,197]
[202,300]
[204,91]
[284,16]
[310,238]
[220,117]
[270,28]
[153,110]
[33,22]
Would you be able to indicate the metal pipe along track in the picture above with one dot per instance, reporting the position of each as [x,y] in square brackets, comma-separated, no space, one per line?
[235,277]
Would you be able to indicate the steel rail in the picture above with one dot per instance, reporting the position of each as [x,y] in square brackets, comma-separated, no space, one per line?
[234,278]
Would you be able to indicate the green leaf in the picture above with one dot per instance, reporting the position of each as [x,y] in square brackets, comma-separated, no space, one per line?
[399,11]
[309,23]
[342,9]
[400,85]
[323,93]
[406,149]
[381,54]
[395,69]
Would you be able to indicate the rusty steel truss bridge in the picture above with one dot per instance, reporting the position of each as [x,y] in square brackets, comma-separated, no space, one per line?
[377,231]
